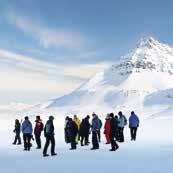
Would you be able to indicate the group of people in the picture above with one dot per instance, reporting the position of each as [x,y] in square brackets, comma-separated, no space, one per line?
[27,130]
[77,131]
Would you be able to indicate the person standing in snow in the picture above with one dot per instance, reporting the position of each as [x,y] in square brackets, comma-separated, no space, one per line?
[77,121]
[133,125]
[66,131]
[84,130]
[95,126]
[73,131]
[49,135]
[37,131]
[27,133]
[122,122]
[17,130]
[107,129]
[113,132]
[99,130]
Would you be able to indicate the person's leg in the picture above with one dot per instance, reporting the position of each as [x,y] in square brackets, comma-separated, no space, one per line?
[99,136]
[46,145]
[73,142]
[15,139]
[87,138]
[39,140]
[112,142]
[122,134]
[131,133]
[24,141]
[135,132]
[36,139]
[29,142]
[82,139]
[52,145]
[107,138]
[119,134]
[94,139]
[19,139]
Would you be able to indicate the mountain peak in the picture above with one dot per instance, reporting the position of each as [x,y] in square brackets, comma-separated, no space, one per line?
[150,54]
[147,42]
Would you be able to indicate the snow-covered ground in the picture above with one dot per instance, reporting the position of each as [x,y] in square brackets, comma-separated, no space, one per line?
[141,81]
[152,152]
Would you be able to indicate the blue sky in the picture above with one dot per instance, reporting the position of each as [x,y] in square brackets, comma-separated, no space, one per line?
[55,45]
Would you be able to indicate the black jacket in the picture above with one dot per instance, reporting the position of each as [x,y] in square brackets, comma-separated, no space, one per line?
[72,128]
[113,127]
[49,129]
[17,128]
[84,127]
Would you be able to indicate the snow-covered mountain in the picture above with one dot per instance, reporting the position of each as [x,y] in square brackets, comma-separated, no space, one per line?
[128,84]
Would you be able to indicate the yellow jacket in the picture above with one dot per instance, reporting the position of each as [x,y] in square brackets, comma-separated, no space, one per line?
[77,121]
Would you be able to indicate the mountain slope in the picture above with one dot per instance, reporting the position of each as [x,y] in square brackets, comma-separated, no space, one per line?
[148,69]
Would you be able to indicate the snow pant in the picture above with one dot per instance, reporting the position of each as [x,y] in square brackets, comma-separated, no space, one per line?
[107,136]
[67,136]
[114,144]
[27,141]
[133,132]
[73,141]
[49,139]
[84,138]
[77,139]
[95,141]
[17,138]
[121,134]
[99,135]
[38,140]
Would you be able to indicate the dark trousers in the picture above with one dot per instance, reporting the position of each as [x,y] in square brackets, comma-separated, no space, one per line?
[84,138]
[17,138]
[38,140]
[27,141]
[133,132]
[95,140]
[73,141]
[114,144]
[49,139]
[121,134]
[99,135]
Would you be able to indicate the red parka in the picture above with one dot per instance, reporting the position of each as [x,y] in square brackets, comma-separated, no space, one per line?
[107,130]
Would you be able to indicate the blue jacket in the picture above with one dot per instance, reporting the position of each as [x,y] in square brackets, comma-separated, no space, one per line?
[95,124]
[121,121]
[133,121]
[27,127]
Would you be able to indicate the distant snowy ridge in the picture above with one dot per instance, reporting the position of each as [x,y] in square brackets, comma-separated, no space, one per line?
[130,83]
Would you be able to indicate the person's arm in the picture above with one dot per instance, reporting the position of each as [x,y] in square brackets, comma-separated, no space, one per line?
[23,127]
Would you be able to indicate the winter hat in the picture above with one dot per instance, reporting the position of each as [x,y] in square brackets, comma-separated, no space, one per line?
[120,113]
[88,116]
[111,115]
[38,117]
[26,118]
[132,112]
[51,117]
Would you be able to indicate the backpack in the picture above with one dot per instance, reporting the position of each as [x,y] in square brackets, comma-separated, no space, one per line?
[47,128]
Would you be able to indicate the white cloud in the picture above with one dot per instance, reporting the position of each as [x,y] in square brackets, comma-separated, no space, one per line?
[48,37]
[26,75]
